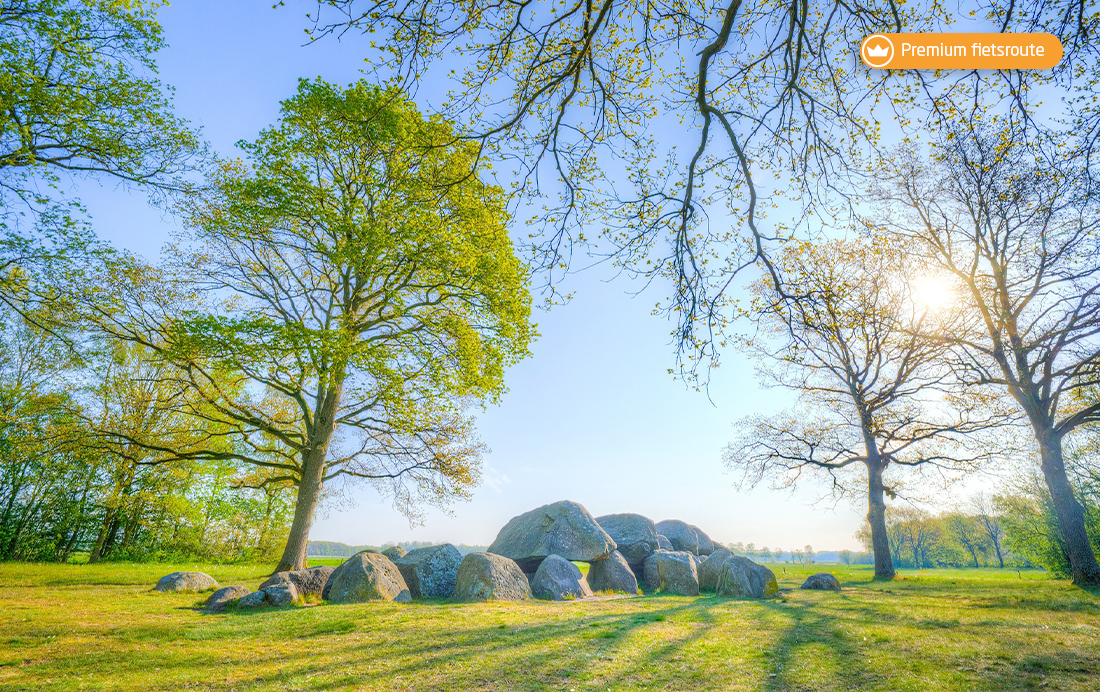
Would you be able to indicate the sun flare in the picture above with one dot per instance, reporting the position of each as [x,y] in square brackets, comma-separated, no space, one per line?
[933,293]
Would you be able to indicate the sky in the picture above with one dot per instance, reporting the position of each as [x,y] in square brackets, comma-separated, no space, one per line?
[593,416]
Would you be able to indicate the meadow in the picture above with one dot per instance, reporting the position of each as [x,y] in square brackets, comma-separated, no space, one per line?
[101,627]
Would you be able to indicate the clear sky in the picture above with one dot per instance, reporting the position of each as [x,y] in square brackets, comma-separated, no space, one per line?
[593,416]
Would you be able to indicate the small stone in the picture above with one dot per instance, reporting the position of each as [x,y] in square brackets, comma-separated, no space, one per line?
[281,594]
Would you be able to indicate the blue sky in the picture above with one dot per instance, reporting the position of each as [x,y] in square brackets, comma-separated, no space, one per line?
[593,416]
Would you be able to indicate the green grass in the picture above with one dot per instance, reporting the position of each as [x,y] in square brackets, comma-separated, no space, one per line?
[101,627]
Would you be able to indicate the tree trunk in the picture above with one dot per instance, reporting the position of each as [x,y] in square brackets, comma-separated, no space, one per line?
[1071,516]
[876,517]
[314,461]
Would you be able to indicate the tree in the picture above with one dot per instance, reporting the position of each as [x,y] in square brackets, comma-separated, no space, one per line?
[848,339]
[846,556]
[1009,218]
[78,97]
[913,530]
[353,291]
[967,533]
[591,96]
[985,513]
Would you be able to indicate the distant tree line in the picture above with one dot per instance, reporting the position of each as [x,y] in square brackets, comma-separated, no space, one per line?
[337,549]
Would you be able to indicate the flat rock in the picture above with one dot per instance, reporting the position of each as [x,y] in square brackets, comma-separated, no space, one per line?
[253,600]
[308,582]
[711,568]
[612,573]
[672,572]
[740,577]
[563,528]
[490,577]
[635,536]
[394,552]
[224,597]
[430,572]
[367,577]
[558,579]
[186,581]
[282,594]
[822,581]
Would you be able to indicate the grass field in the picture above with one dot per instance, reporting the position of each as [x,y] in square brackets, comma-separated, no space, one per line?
[101,627]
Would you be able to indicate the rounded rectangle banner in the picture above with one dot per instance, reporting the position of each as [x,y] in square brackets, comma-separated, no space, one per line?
[961,51]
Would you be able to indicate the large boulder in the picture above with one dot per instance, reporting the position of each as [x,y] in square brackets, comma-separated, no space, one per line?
[366,577]
[740,577]
[612,574]
[224,597]
[562,528]
[308,582]
[490,577]
[394,552]
[635,536]
[822,581]
[430,572]
[282,594]
[663,543]
[253,600]
[711,568]
[558,579]
[671,572]
[685,536]
[186,581]
[706,545]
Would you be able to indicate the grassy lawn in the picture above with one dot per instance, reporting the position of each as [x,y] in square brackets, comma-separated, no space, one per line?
[101,627]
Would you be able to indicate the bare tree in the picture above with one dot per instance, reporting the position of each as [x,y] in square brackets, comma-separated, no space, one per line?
[850,340]
[985,513]
[1007,216]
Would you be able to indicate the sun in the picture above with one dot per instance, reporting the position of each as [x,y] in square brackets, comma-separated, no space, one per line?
[933,293]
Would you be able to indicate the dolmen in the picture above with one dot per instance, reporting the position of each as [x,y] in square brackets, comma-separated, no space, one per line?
[565,529]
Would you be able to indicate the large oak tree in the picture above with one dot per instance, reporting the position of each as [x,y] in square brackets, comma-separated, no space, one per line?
[352,289]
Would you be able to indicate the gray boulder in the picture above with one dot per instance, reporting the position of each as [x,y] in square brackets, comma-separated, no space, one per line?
[711,568]
[672,572]
[308,582]
[490,577]
[394,552]
[562,528]
[663,543]
[430,572]
[635,536]
[679,534]
[822,581]
[186,581]
[252,600]
[282,594]
[612,574]
[558,579]
[740,577]
[367,577]
[706,545]
[224,597]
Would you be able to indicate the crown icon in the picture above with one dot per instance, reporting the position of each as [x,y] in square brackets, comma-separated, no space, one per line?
[877,51]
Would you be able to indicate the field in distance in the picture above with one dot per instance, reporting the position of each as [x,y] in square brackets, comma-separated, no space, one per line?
[101,627]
